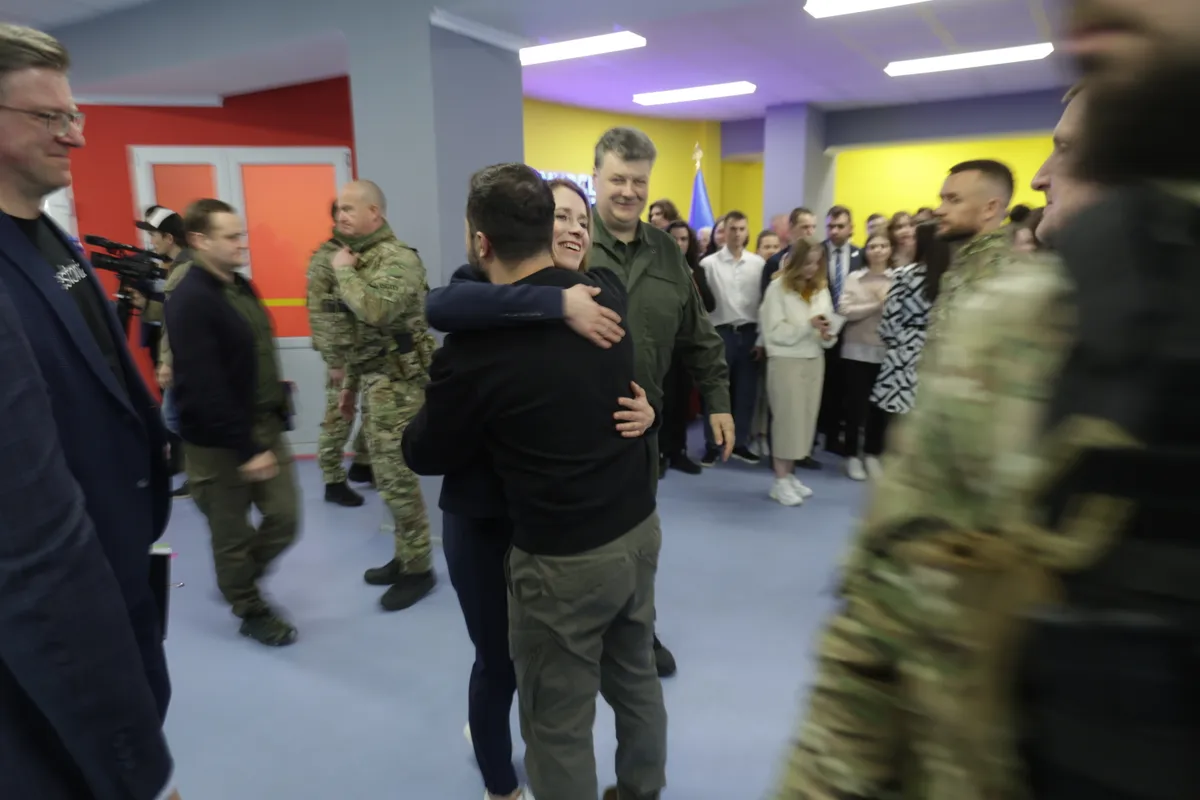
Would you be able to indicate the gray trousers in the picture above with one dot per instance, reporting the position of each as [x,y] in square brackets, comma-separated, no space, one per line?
[579,626]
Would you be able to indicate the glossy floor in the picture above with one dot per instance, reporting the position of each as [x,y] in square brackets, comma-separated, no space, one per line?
[371,705]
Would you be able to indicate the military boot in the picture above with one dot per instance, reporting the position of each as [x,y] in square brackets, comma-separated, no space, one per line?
[342,495]
[361,473]
[386,575]
[408,590]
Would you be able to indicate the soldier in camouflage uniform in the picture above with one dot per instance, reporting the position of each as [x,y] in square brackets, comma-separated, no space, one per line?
[382,281]
[332,326]
[908,700]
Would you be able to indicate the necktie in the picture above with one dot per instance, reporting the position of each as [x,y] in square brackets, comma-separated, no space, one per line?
[837,274]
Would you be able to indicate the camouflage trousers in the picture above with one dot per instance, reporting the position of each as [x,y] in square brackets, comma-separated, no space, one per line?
[390,404]
[331,445]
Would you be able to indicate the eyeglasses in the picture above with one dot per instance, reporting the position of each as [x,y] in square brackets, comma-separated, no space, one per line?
[59,123]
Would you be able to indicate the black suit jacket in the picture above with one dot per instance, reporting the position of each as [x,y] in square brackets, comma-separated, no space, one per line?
[84,493]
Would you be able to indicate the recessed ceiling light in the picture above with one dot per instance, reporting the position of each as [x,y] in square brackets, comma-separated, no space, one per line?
[581,48]
[836,8]
[695,93]
[982,58]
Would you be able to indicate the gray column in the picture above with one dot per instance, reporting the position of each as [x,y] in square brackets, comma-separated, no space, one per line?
[796,169]
[430,107]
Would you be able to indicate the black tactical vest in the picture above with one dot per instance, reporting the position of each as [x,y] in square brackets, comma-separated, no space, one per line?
[1111,685]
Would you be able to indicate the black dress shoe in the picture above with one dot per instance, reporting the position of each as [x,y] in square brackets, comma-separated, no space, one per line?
[681,462]
[408,591]
[342,495]
[711,456]
[808,463]
[664,662]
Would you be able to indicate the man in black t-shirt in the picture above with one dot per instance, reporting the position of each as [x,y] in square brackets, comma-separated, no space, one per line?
[586,536]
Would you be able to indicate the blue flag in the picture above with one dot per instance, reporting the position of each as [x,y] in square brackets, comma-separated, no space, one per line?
[702,213]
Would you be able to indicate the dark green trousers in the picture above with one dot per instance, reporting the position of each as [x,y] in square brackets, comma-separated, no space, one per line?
[579,626]
[242,553]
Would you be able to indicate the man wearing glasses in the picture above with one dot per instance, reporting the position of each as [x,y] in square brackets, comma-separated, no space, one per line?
[84,487]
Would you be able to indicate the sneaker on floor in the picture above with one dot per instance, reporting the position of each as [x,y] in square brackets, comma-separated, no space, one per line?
[664,661]
[800,488]
[744,455]
[361,473]
[341,494]
[268,628]
[522,794]
[183,492]
[855,469]
[409,590]
[785,493]
[809,463]
[467,734]
[711,456]
[874,468]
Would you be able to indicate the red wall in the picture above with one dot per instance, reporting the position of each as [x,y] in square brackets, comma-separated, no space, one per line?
[307,115]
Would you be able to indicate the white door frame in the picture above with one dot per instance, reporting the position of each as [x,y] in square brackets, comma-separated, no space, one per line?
[227,163]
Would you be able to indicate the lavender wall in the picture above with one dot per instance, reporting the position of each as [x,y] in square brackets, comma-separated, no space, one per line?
[979,116]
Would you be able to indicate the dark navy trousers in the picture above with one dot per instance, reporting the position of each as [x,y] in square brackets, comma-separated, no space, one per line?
[476,551]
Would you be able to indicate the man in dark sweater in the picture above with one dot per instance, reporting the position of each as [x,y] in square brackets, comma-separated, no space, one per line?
[233,412]
[539,401]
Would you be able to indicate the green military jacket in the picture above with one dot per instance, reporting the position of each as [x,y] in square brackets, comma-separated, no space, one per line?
[909,699]
[386,293]
[331,323]
[665,313]
[178,270]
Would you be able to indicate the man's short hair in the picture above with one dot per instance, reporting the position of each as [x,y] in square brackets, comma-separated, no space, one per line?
[198,217]
[333,209]
[839,211]
[627,144]
[797,213]
[23,48]
[734,216]
[874,217]
[513,207]
[992,170]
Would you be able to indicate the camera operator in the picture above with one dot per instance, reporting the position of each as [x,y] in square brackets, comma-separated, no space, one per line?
[167,239]
[83,481]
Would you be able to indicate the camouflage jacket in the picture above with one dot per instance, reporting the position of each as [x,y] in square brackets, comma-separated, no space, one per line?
[910,696]
[330,321]
[386,293]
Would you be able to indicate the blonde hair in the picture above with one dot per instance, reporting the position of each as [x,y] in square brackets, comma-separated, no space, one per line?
[564,183]
[789,276]
[23,48]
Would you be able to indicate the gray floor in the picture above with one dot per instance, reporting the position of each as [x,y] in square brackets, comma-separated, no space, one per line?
[372,705]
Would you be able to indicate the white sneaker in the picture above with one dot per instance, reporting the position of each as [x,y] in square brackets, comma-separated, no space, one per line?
[800,488]
[785,493]
[874,468]
[467,734]
[855,469]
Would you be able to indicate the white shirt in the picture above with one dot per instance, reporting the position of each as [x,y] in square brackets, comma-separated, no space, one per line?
[736,285]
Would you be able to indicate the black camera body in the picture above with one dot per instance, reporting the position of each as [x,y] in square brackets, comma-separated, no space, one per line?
[136,269]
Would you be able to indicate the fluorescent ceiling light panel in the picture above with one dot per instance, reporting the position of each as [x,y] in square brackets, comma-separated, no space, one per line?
[695,93]
[581,48]
[821,9]
[983,58]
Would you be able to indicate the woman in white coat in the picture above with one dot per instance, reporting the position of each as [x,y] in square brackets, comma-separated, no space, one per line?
[796,326]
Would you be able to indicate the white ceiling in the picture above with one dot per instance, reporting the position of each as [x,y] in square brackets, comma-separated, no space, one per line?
[836,62]
[49,13]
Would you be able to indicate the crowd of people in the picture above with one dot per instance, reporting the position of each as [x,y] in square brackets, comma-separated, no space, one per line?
[1016,614]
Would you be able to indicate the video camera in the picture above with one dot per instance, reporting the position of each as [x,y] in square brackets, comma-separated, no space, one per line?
[137,269]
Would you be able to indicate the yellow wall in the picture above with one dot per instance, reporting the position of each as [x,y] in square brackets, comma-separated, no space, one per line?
[742,189]
[563,139]
[904,177]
